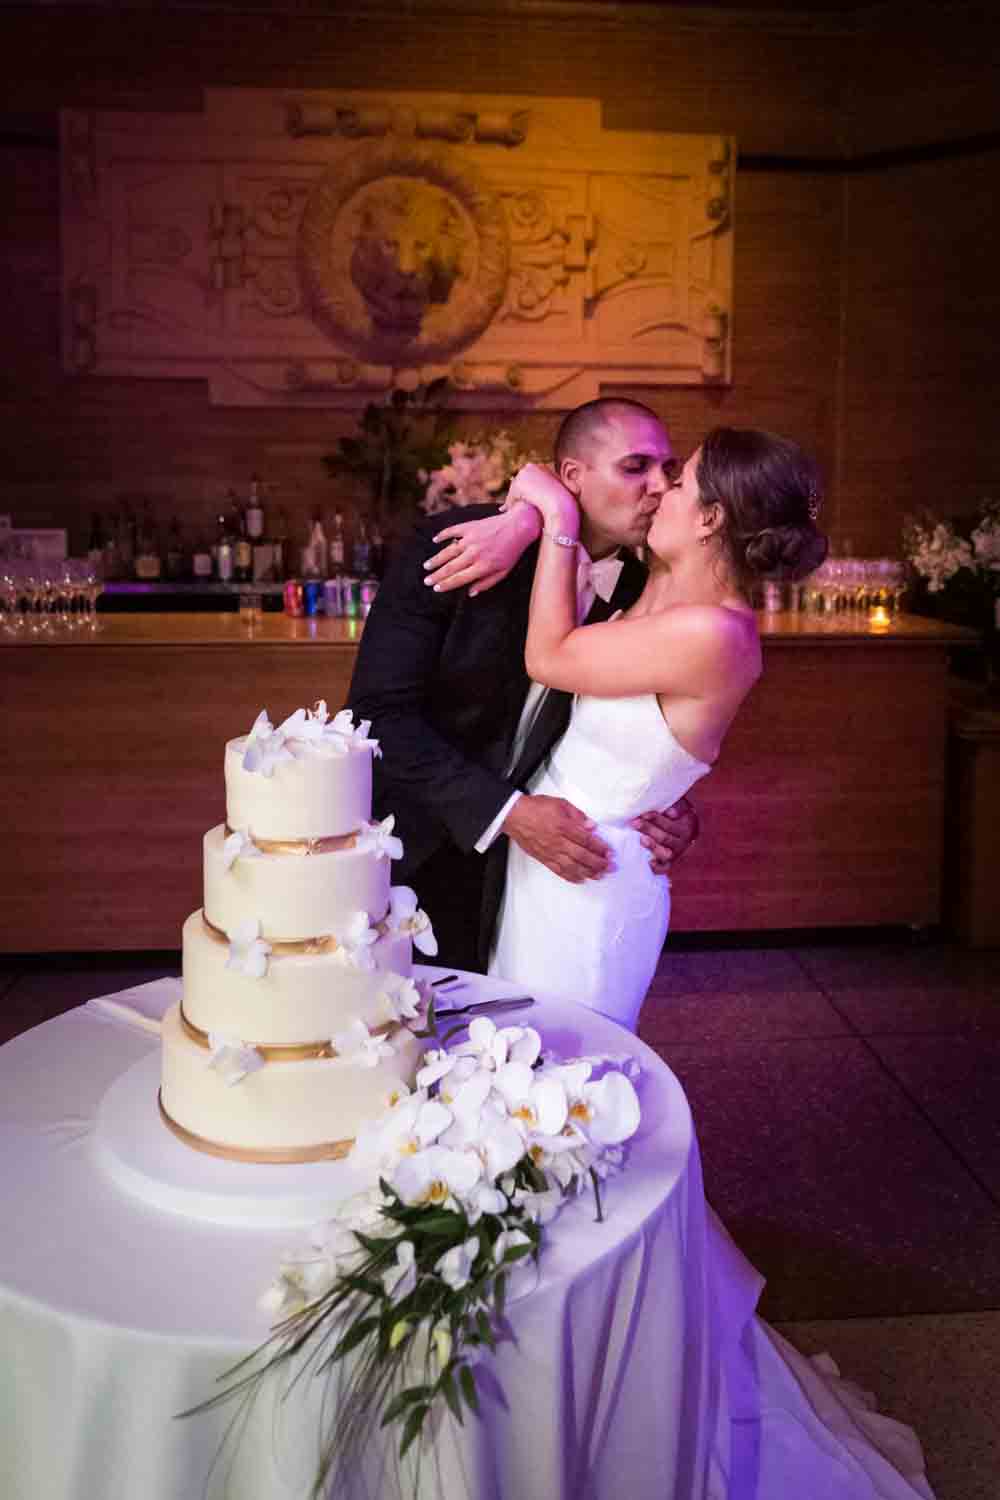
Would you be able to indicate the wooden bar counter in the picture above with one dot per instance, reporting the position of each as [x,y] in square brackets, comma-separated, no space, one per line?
[827,808]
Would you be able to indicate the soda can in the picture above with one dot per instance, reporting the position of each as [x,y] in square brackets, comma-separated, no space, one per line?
[369,588]
[351,596]
[312,596]
[333,603]
[294,602]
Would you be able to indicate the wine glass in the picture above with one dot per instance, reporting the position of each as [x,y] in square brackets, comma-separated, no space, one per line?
[92,589]
[10,596]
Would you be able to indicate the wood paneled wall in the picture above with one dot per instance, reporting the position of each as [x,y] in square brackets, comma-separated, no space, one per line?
[862,300]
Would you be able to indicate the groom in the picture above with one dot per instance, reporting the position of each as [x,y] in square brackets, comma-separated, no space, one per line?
[441,676]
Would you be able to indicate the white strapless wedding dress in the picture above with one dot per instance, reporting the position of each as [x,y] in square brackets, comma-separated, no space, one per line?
[788,1427]
[598,942]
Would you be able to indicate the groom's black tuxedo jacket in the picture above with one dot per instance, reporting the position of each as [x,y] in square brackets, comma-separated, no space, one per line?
[441,676]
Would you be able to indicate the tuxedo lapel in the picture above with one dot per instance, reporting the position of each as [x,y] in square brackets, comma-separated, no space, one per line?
[553,714]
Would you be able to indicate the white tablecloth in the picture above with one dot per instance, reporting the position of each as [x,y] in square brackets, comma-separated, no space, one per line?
[114,1316]
[638,1369]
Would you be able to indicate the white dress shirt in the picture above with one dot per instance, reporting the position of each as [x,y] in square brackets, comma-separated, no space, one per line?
[593,580]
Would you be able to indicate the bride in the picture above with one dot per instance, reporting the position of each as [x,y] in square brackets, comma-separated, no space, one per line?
[656,691]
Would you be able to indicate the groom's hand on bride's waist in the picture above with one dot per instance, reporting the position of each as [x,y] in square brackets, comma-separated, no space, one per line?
[560,836]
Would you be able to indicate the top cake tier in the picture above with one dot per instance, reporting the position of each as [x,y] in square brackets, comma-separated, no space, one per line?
[293,787]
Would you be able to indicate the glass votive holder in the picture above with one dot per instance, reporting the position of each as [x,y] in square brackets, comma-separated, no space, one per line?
[251,609]
[774,597]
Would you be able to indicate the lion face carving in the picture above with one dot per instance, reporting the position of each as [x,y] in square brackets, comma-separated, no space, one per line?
[407,255]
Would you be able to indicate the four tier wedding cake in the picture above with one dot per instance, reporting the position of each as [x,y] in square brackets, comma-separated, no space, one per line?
[297,1020]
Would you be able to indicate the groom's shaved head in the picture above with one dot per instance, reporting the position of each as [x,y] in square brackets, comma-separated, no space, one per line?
[583,428]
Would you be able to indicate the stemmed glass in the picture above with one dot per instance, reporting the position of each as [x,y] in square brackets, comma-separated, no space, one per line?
[92,587]
[10,595]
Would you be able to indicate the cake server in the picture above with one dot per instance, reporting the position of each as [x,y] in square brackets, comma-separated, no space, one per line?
[514,1002]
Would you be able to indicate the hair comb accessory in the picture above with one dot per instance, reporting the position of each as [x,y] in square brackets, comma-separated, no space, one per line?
[813,504]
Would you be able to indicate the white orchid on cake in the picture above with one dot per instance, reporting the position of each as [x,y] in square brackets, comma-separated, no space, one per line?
[405,915]
[357,1044]
[379,839]
[401,1296]
[304,731]
[231,1058]
[238,845]
[355,939]
[248,952]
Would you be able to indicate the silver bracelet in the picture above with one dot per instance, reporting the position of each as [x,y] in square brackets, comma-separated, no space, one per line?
[561,539]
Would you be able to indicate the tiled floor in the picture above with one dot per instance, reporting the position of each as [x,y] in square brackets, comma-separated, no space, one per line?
[847,1100]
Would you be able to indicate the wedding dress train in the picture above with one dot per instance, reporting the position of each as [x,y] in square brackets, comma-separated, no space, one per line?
[786,1427]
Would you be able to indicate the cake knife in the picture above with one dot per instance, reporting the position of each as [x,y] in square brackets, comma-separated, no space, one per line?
[514,1002]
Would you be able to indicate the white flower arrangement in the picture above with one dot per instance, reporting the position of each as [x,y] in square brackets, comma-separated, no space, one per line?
[479,472]
[941,555]
[411,1278]
[304,731]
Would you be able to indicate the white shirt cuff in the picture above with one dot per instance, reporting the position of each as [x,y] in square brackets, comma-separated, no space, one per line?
[490,833]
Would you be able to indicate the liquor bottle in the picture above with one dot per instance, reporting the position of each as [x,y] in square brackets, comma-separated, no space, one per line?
[126,541]
[224,551]
[112,568]
[279,544]
[242,546]
[95,545]
[148,565]
[255,512]
[378,552]
[202,561]
[361,555]
[175,551]
[315,554]
[338,551]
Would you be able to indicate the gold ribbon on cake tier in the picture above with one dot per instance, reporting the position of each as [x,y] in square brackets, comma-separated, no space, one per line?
[279,1155]
[312,945]
[330,845]
[291,1052]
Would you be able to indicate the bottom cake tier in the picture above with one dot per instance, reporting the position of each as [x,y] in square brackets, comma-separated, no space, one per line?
[306,1110]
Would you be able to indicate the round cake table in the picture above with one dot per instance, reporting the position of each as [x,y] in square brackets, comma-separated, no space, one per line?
[116,1315]
[636,1367]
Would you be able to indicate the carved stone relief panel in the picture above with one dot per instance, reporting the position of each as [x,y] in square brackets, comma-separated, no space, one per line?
[316,248]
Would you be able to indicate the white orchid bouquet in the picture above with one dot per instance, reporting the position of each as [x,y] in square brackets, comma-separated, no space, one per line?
[477,473]
[405,1289]
[946,559]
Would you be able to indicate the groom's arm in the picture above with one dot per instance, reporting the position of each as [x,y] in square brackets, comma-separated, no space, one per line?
[398,682]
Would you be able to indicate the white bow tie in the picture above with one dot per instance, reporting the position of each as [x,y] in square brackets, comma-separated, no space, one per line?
[600,578]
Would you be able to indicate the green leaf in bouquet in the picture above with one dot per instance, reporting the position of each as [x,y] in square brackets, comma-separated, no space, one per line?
[485,1328]
[450,1392]
[443,1221]
[517,1252]
[412,1426]
[354,1335]
[467,1382]
[500,1294]
[404,1400]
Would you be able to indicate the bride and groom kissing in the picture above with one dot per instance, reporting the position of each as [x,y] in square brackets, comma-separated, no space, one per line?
[545,701]
[533,762]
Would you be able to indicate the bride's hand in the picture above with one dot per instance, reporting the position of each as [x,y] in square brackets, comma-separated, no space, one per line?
[542,488]
[479,554]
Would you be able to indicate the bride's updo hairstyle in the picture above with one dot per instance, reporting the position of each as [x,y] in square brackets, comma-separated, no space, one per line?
[769,492]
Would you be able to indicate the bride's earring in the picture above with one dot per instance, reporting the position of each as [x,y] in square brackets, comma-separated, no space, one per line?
[704,540]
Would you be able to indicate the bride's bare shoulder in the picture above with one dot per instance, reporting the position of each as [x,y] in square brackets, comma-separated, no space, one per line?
[721,625]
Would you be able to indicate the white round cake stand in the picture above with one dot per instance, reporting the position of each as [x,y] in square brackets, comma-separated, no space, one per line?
[143,1158]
